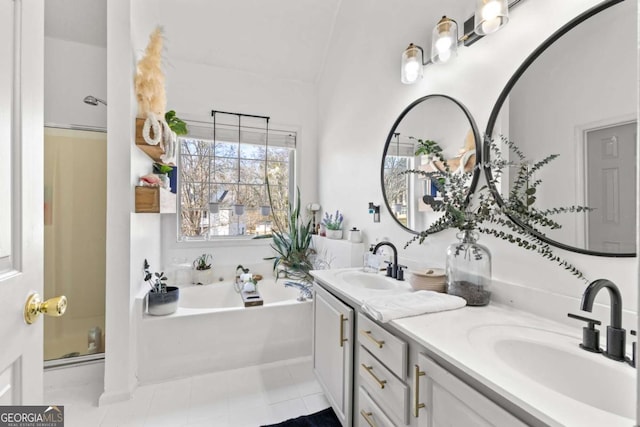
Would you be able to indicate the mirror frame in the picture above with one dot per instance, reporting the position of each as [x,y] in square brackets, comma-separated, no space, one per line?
[478,146]
[496,111]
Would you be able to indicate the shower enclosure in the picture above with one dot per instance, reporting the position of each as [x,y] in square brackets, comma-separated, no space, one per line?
[74,241]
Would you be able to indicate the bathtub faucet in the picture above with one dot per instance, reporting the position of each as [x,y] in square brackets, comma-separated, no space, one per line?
[305,290]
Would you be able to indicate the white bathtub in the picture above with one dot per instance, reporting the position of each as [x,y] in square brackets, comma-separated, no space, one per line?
[212,331]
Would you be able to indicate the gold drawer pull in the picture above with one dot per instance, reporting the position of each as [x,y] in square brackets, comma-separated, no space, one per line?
[367,418]
[369,369]
[342,338]
[417,373]
[368,335]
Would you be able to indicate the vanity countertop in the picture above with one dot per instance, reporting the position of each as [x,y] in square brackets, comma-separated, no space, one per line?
[530,361]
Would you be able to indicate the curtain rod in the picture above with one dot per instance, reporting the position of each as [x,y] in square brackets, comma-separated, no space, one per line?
[214,112]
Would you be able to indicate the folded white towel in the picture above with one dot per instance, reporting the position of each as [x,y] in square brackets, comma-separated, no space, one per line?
[389,307]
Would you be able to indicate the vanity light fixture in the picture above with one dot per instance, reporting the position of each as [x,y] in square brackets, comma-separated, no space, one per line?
[490,16]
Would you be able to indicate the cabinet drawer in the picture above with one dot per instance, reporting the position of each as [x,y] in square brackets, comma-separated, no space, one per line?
[370,414]
[389,349]
[385,388]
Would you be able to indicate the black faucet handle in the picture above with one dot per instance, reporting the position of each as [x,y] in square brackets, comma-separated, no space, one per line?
[592,322]
[632,361]
[389,268]
[590,335]
[400,272]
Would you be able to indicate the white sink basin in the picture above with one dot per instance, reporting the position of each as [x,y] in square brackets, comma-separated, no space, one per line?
[555,361]
[367,280]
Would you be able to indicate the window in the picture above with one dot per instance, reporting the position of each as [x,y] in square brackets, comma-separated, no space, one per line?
[222,185]
[398,185]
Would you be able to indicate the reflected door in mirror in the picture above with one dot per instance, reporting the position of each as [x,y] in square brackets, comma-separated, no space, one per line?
[611,188]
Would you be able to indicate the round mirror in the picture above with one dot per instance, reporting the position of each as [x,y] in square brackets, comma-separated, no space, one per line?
[576,96]
[437,121]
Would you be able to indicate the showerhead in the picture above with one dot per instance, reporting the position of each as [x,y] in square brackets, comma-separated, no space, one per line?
[92,100]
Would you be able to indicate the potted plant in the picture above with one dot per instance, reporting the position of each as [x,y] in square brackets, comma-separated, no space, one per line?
[333,225]
[178,127]
[202,271]
[293,245]
[162,172]
[161,299]
[469,263]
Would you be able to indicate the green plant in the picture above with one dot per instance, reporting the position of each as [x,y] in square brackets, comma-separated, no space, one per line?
[175,124]
[426,147]
[202,262]
[155,280]
[161,168]
[332,223]
[485,215]
[292,243]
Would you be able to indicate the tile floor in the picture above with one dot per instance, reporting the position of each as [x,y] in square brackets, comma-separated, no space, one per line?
[251,397]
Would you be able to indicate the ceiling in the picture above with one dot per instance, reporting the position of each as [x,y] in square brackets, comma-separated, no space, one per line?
[285,39]
[78,21]
[278,38]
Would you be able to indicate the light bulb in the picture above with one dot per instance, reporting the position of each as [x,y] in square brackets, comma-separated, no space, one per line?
[490,10]
[444,44]
[491,25]
[411,70]
[444,56]
[491,15]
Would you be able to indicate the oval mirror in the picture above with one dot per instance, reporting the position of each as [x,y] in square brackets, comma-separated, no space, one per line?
[438,119]
[576,96]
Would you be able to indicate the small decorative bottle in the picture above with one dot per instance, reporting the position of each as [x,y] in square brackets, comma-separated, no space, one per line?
[469,269]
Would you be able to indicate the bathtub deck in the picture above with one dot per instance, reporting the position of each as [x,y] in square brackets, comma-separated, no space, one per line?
[251,396]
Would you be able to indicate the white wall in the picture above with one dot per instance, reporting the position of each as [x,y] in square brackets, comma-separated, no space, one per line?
[71,72]
[360,95]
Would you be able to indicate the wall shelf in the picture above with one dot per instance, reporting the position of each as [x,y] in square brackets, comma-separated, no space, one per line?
[153,151]
[154,200]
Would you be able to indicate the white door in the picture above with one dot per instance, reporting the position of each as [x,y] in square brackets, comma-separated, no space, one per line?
[21,197]
[611,184]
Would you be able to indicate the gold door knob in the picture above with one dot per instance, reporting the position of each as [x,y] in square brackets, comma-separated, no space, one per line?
[54,307]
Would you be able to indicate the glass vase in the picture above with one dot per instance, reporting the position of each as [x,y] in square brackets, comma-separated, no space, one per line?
[469,269]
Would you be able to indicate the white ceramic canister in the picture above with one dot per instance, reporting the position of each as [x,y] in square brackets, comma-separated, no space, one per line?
[355,235]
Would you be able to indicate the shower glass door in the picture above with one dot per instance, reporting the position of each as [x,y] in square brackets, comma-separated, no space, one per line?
[75,174]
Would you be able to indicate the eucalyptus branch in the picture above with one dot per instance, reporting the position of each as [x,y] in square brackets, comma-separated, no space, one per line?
[485,213]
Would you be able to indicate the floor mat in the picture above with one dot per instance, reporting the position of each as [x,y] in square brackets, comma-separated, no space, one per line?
[324,418]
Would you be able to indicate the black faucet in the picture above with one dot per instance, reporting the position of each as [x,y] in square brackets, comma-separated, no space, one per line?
[394,270]
[615,333]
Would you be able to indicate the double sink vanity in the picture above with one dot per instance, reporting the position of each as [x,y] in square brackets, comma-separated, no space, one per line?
[474,366]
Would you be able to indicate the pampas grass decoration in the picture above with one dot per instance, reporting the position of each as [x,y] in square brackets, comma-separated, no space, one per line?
[149,79]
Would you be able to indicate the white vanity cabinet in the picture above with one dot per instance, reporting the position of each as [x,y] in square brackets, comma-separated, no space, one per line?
[333,352]
[375,375]
[441,399]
